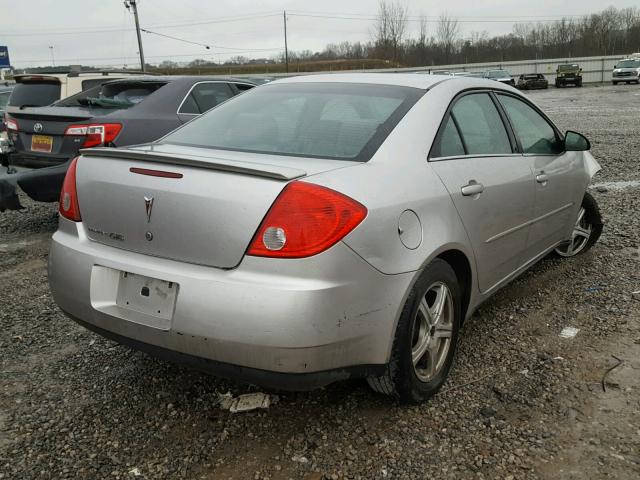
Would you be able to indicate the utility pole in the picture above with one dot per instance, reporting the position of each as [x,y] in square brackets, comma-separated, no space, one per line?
[286,49]
[53,61]
[132,4]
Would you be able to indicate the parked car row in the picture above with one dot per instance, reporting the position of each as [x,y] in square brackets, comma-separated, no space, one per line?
[127,111]
[250,240]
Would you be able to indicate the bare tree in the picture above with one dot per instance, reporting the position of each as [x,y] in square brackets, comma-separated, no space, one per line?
[390,28]
[422,32]
[447,34]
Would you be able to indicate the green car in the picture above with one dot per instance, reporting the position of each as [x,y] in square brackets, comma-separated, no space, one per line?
[568,73]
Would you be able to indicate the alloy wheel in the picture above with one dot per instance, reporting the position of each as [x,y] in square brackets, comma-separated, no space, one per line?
[579,236]
[432,332]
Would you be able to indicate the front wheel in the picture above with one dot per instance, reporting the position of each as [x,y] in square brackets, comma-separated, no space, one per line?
[586,230]
[426,335]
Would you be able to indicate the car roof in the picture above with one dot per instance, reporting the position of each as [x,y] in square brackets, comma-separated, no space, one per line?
[180,78]
[424,82]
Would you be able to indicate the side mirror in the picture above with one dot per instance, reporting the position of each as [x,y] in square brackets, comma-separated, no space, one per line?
[576,142]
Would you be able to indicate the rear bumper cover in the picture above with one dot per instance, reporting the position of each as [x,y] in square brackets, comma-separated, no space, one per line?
[330,315]
[276,380]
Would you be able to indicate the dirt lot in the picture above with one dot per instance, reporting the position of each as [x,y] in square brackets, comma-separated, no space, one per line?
[522,402]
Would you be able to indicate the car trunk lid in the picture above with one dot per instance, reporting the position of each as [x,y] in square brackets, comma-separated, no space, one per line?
[206,213]
[48,125]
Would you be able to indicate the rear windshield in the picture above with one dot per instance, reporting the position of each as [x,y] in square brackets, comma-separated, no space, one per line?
[532,76]
[115,95]
[498,74]
[34,94]
[628,64]
[564,68]
[342,121]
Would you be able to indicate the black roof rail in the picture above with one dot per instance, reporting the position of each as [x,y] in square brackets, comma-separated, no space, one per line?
[74,72]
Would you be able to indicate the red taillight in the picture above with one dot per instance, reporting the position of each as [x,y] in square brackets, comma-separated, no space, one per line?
[96,134]
[11,124]
[305,219]
[69,207]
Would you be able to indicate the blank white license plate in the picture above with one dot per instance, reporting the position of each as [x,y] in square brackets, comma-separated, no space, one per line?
[146,295]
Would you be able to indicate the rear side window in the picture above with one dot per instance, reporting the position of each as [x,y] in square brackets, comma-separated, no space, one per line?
[449,143]
[34,94]
[480,125]
[536,135]
[205,96]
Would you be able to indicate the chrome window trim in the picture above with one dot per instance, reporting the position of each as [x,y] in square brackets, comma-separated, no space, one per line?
[477,155]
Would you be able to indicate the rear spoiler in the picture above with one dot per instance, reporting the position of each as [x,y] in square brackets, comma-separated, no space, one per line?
[275,172]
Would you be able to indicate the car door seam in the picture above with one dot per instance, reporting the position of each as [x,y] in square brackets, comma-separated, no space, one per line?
[528,223]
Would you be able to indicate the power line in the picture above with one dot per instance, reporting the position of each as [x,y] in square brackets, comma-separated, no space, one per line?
[176,38]
[158,26]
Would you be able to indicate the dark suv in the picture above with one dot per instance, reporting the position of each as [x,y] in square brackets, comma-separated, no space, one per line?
[568,74]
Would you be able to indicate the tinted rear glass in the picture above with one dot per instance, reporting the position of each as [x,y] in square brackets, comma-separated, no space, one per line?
[4,98]
[565,68]
[116,95]
[341,121]
[36,94]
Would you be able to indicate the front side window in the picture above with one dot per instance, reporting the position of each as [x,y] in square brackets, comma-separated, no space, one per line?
[536,135]
[480,125]
[323,120]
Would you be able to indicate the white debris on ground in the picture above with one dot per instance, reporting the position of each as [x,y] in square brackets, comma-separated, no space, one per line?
[569,332]
[246,402]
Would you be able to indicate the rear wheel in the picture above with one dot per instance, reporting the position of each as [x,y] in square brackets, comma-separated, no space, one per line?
[615,83]
[586,230]
[425,338]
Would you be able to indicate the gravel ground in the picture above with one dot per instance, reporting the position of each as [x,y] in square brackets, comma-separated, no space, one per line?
[521,402]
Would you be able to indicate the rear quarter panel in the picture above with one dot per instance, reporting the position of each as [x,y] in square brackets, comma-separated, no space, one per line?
[399,178]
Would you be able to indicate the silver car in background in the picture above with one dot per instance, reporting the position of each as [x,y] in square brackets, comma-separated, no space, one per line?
[321,227]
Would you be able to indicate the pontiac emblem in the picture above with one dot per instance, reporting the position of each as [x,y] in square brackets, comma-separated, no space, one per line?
[37,127]
[148,206]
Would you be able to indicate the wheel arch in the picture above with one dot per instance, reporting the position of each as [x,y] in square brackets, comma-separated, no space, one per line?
[462,268]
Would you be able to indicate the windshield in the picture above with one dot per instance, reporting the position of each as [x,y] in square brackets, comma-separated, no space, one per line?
[628,64]
[34,94]
[498,74]
[567,68]
[343,121]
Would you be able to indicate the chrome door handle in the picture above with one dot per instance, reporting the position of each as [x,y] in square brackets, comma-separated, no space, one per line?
[472,188]
[542,177]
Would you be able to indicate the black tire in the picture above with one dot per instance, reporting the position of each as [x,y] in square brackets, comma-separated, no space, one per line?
[615,83]
[400,379]
[594,219]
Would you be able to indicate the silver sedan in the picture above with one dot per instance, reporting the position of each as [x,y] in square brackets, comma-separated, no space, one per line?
[322,227]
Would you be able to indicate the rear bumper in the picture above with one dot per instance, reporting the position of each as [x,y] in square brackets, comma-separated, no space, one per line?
[31,160]
[43,184]
[332,315]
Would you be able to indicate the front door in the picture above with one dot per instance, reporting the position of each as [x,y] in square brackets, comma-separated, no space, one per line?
[558,175]
[490,184]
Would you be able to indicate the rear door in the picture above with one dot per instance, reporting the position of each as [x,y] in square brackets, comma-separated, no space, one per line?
[202,97]
[559,175]
[490,183]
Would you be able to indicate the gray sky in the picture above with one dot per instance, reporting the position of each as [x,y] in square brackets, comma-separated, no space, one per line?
[101,32]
